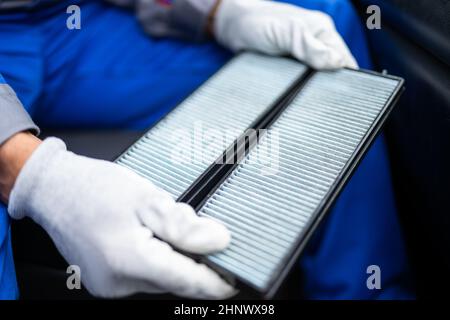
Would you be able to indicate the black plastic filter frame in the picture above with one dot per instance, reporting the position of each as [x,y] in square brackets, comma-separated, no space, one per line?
[217,177]
[205,185]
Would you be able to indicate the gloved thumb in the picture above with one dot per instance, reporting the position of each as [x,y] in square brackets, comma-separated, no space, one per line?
[180,226]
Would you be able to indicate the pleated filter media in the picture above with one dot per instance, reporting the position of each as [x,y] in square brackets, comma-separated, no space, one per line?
[273,195]
[319,126]
[229,102]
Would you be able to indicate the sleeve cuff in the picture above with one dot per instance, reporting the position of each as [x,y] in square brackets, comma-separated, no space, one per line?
[192,16]
[13,117]
[186,19]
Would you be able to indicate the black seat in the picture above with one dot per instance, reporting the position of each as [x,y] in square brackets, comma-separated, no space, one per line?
[414,43]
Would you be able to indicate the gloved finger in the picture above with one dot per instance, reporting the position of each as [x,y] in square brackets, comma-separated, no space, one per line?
[334,41]
[316,53]
[178,224]
[169,270]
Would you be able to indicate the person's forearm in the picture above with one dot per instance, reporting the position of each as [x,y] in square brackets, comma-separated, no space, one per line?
[14,152]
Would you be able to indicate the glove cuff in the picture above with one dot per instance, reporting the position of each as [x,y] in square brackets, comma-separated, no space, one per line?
[25,187]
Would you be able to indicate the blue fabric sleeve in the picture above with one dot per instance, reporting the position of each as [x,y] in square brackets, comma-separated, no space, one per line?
[8,284]
[13,119]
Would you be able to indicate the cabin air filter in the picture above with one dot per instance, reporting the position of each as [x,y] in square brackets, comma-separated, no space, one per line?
[319,126]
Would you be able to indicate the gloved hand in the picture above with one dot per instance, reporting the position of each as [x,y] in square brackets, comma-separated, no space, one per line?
[280,28]
[103,218]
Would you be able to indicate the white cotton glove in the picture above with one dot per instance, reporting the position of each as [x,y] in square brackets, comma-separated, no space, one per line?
[104,218]
[279,28]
